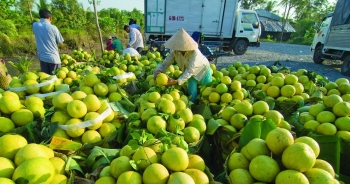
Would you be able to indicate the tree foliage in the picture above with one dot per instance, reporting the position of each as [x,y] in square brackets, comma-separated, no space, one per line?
[251,4]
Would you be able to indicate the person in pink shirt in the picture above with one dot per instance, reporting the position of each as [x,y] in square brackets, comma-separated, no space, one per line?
[109,43]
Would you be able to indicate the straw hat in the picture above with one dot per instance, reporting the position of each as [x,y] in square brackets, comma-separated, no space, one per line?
[109,37]
[181,41]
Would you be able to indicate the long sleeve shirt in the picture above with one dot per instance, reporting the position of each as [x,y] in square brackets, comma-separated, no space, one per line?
[136,40]
[192,63]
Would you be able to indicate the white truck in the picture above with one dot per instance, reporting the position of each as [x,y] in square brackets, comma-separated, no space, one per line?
[332,38]
[219,20]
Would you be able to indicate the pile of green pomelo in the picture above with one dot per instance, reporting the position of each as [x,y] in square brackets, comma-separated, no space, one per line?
[106,120]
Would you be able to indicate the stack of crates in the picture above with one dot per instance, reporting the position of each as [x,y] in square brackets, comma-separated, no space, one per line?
[336,152]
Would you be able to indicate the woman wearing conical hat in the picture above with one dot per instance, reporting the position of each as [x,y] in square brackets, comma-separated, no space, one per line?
[194,65]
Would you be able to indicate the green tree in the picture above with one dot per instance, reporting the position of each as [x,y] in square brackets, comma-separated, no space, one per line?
[251,4]
[5,8]
[97,24]
[68,14]
[26,7]
[107,24]
[288,6]
[270,6]
[8,27]
[43,4]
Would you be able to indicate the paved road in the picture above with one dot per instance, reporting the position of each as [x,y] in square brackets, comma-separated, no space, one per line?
[290,55]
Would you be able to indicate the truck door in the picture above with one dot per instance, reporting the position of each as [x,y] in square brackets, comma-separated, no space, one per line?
[211,17]
[248,26]
[321,33]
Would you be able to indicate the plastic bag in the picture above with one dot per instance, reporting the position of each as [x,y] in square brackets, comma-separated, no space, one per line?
[131,51]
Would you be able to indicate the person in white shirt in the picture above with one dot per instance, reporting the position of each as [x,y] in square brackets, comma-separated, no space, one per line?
[194,65]
[135,38]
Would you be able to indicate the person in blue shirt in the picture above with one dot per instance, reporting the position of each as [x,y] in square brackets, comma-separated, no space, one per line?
[47,38]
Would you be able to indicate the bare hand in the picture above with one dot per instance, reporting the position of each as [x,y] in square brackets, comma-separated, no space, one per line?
[155,74]
[171,81]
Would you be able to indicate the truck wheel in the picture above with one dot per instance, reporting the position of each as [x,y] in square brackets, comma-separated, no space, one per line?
[318,55]
[240,47]
[345,69]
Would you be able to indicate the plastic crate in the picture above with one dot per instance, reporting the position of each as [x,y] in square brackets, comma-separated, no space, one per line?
[330,149]
[345,159]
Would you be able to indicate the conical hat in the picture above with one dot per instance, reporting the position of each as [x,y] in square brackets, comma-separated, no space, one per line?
[181,41]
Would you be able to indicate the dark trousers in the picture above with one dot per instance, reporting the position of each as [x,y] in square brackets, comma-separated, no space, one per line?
[48,67]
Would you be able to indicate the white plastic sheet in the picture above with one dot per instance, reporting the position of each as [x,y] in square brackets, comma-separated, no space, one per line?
[131,51]
[124,76]
[88,123]
[35,85]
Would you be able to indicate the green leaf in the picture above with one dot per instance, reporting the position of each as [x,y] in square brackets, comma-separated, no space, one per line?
[92,157]
[183,144]
[286,107]
[316,97]
[271,103]
[73,165]
[100,161]
[136,136]
[165,116]
[121,131]
[216,108]
[116,106]
[161,133]
[22,180]
[203,110]
[251,130]
[260,95]
[212,126]
[134,165]
[266,126]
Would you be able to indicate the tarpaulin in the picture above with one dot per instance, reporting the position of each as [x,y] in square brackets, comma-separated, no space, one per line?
[341,13]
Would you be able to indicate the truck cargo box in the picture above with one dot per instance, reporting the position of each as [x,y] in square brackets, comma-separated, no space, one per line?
[214,18]
[339,33]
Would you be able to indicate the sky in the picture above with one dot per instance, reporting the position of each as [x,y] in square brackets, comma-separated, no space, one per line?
[119,4]
[131,4]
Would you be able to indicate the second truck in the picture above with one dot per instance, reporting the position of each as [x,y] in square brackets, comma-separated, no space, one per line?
[332,38]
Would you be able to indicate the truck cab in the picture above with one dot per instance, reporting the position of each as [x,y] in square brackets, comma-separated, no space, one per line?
[247,31]
[320,38]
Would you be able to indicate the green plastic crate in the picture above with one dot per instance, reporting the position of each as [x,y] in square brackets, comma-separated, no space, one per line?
[330,149]
[345,159]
